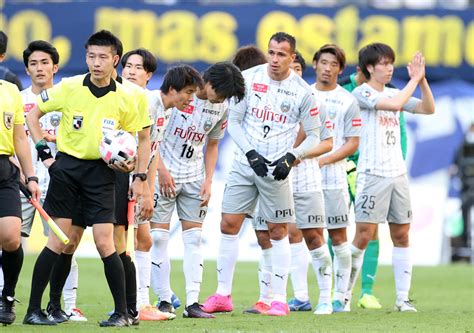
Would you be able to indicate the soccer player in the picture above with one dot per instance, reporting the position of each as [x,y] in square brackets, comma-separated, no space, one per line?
[185,177]
[329,62]
[90,104]
[13,141]
[371,257]
[309,210]
[138,68]
[263,127]
[41,64]
[382,181]
[5,73]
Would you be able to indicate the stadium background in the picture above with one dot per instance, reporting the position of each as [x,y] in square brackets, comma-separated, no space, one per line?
[203,32]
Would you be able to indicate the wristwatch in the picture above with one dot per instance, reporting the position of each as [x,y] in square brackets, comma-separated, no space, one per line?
[32,179]
[141,176]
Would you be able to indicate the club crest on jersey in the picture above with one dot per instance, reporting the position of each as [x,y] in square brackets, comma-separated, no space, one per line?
[285,106]
[260,87]
[332,113]
[44,96]
[8,120]
[54,120]
[207,125]
[77,122]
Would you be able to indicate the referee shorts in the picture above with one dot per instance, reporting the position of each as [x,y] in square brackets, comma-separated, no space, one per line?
[75,182]
[10,203]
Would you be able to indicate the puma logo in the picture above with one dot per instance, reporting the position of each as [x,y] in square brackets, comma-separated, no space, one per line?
[219,270]
[280,276]
[159,265]
[266,283]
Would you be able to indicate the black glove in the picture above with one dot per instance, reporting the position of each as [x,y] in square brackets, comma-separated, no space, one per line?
[258,163]
[283,166]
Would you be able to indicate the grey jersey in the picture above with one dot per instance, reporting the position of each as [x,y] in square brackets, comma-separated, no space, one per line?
[344,113]
[270,112]
[379,147]
[182,149]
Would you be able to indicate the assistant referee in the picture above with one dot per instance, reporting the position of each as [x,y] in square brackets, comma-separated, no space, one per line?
[13,140]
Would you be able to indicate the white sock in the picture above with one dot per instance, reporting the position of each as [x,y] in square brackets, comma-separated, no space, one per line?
[193,264]
[402,269]
[342,270]
[143,265]
[70,287]
[299,271]
[357,260]
[265,276]
[226,260]
[160,264]
[281,257]
[1,274]
[322,266]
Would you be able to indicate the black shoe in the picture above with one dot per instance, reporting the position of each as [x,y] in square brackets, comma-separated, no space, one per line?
[164,306]
[37,317]
[7,310]
[56,314]
[195,311]
[115,320]
[133,318]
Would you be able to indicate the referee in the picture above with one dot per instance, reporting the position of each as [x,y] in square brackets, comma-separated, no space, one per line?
[90,104]
[13,140]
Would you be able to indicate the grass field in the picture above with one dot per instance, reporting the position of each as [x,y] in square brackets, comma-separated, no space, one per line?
[444,298]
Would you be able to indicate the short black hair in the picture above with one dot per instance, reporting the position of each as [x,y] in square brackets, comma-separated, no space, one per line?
[179,77]
[249,56]
[280,37]
[43,46]
[105,38]
[300,60]
[334,50]
[372,54]
[149,60]
[226,79]
[3,42]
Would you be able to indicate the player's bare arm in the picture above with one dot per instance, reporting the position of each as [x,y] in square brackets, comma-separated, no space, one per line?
[166,181]
[210,159]
[416,71]
[22,150]
[32,120]
[346,150]
[427,104]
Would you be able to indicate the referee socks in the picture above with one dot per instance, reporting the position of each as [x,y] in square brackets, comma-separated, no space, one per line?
[41,275]
[12,262]
[115,275]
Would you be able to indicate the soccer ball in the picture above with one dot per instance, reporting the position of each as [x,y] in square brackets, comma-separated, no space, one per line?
[119,148]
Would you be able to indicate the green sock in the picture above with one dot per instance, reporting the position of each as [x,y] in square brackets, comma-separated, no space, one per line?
[331,252]
[369,267]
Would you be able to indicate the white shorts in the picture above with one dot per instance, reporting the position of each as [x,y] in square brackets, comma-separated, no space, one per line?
[381,199]
[244,187]
[28,215]
[337,208]
[187,200]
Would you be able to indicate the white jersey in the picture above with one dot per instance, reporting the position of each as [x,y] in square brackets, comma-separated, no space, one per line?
[344,114]
[182,149]
[380,151]
[49,123]
[307,175]
[272,110]
[160,118]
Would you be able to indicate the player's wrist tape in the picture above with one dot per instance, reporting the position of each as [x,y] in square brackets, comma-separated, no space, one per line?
[32,179]
[44,152]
